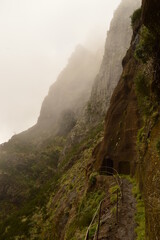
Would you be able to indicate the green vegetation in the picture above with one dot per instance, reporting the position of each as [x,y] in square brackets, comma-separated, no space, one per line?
[93,179]
[38,199]
[113,193]
[158,146]
[136,16]
[35,179]
[140,214]
[140,136]
[92,230]
[145,49]
[142,86]
[89,142]
[88,207]
[37,215]
[147,103]
[86,210]
[114,210]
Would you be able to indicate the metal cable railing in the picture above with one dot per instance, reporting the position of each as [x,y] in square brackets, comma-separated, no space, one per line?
[119,197]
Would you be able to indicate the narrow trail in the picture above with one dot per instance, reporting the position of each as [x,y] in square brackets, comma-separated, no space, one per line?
[125,229]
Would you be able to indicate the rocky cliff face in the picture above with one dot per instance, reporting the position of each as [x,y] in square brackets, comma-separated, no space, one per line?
[122,119]
[149,145]
[117,43]
[131,140]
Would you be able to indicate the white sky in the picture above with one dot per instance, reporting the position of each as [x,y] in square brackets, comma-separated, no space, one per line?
[36,39]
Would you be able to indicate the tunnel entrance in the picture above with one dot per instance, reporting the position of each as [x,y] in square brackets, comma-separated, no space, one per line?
[107,166]
[124,168]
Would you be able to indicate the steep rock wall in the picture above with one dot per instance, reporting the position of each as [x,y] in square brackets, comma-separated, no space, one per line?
[122,119]
[149,148]
[132,124]
[117,43]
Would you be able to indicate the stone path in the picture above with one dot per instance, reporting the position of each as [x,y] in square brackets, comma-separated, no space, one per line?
[125,229]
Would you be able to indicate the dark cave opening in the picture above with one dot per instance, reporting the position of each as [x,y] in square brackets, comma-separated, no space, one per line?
[107,166]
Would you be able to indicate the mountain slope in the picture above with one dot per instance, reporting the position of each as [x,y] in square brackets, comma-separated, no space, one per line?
[57,192]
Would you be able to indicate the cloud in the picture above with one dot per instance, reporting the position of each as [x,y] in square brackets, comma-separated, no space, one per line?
[37,38]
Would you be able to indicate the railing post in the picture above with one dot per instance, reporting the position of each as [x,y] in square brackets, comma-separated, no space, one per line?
[99,219]
[117,206]
[87,236]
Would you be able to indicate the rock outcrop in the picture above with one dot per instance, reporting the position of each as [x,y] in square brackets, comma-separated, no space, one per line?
[117,43]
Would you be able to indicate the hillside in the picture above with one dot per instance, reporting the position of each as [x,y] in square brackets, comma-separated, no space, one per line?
[51,176]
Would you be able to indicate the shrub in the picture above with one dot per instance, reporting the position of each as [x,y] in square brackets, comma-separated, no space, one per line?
[113,193]
[145,48]
[136,16]
[140,135]
[155,116]
[140,214]
[93,179]
[142,85]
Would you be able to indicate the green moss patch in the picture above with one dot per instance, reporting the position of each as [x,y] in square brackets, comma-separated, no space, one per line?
[140,214]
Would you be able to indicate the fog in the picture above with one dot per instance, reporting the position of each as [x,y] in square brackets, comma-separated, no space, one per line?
[36,39]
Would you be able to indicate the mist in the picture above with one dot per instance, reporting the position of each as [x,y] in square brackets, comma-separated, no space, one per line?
[37,38]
